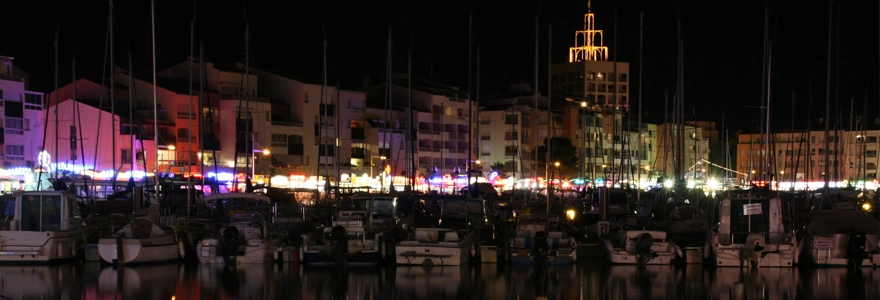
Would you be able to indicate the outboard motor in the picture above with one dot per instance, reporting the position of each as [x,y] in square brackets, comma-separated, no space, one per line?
[229,245]
[855,248]
[644,253]
[753,249]
[339,244]
[542,248]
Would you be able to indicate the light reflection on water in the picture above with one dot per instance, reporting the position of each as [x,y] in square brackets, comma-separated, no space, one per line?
[589,279]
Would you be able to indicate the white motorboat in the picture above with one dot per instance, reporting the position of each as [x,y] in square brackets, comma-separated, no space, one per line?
[44,226]
[831,238]
[536,231]
[244,238]
[436,246]
[751,232]
[141,241]
[349,229]
[644,247]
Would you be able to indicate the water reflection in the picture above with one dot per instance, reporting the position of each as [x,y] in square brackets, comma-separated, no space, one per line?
[759,283]
[585,280]
[647,282]
[158,281]
[556,282]
[243,281]
[829,283]
[445,282]
[38,282]
[327,282]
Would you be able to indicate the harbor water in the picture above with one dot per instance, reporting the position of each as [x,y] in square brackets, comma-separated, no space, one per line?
[587,279]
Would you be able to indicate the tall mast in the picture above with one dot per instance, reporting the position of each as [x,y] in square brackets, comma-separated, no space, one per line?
[639,137]
[409,114]
[535,118]
[679,113]
[470,162]
[614,126]
[550,133]
[247,101]
[112,101]
[56,104]
[386,140]
[189,147]
[155,101]
[324,117]
[73,122]
[828,93]
[769,160]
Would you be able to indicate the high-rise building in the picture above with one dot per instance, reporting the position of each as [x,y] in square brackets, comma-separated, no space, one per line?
[21,136]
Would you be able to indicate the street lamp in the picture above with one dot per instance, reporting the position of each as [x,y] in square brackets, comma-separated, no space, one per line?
[555,172]
[266,153]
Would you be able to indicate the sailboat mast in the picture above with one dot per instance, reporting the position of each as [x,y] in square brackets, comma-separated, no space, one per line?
[189,186]
[549,110]
[73,111]
[324,117]
[535,136]
[247,101]
[389,83]
[639,136]
[155,102]
[769,160]
[56,104]
[131,116]
[828,94]
[112,102]
[410,130]
[77,129]
[470,162]
[615,129]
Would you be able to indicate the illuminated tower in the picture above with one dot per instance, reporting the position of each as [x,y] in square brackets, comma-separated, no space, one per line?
[586,47]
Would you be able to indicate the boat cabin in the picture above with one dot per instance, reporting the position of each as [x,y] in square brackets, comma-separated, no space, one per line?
[44,211]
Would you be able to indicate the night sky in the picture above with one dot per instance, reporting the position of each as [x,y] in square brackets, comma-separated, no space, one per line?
[723,44]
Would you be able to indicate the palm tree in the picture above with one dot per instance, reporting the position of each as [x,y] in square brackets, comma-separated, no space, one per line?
[498,167]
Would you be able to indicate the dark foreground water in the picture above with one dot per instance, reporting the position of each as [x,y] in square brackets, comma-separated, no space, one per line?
[589,279]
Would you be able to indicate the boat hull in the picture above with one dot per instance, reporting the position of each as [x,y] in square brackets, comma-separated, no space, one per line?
[733,255]
[437,253]
[255,252]
[145,250]
[666,250]
[28,247]
[831,251]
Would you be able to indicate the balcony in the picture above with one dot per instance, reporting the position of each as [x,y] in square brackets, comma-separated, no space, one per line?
[11,77]
[287,123]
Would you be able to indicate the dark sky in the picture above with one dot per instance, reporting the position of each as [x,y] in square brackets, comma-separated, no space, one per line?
[722,42]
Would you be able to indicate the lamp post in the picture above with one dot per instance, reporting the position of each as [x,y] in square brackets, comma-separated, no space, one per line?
[266,153]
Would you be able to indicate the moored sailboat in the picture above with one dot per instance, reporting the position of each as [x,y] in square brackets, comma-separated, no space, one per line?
[141,241]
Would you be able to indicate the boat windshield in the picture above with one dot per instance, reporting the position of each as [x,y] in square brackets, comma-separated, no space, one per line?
[749,217]
[8,208]
[41,212]
[382,207]
[462,207]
